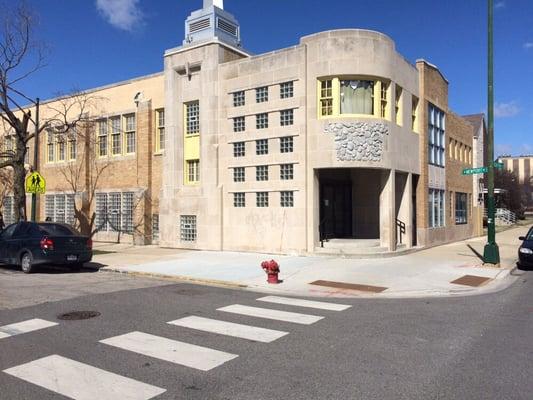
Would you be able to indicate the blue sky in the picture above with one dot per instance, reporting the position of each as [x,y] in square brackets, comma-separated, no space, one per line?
[97,42]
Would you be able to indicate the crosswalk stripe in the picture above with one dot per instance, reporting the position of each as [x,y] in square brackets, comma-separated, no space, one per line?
[181,353]
[230,329]
[267,313]
[24,327]
[81,381]
[304,303]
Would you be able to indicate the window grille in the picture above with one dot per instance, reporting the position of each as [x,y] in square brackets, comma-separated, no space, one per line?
[286,117]
[239,124]
[188,228]
[287,199]
[238,174]
[286,172]
[239,99]
[192,118]
[286,144]
[262,199]
[239,149]
[261,94]
[261,121]
[239,199]
[261,147]
[261,173]
[286,90]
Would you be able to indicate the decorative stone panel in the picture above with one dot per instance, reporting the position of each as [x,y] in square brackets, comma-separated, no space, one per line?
[358,141]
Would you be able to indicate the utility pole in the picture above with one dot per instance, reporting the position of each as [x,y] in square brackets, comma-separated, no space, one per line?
[35,161]
[491,253]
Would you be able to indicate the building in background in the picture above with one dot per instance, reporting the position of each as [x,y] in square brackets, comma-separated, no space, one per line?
[522,167]
[337,144]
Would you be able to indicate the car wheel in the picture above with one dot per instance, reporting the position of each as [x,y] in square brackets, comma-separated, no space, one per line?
[26,263]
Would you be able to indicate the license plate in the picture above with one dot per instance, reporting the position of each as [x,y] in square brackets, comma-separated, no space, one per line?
[72,257]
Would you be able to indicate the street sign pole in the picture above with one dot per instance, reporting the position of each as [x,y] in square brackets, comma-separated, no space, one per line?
[491,253]
[35,161]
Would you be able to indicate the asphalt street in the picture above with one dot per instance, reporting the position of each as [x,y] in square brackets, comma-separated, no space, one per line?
[477,347]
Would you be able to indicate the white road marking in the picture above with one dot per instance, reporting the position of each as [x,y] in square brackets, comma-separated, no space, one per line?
[230,329]
[267,313]
[186,354]
[24,327]
[304,303]
[81,381]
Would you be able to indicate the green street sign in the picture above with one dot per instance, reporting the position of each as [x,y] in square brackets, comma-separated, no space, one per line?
[473,171]
[498,165]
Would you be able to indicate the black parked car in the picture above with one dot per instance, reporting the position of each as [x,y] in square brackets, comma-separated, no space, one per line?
[36,243]
[525,252]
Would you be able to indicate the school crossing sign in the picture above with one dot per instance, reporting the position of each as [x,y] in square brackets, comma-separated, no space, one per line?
[35,183]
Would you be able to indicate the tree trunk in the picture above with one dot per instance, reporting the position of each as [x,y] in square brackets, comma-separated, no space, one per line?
[19,192]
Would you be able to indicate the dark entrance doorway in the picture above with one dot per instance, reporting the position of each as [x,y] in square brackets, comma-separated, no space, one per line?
[336,210]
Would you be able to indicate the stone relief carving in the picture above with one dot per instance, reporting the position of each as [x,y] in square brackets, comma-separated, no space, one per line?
[358,141]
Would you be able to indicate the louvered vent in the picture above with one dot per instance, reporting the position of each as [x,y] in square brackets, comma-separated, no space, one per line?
[199,25]
[227,27]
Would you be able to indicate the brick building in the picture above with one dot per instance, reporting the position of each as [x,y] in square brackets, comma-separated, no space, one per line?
[337,141]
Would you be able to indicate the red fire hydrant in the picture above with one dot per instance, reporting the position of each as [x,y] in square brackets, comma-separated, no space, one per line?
[272,269]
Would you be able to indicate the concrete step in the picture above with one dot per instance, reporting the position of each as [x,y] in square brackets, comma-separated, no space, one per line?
[362,252]
[351,243]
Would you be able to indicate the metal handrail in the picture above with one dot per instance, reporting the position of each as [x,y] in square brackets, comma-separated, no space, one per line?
[401,227]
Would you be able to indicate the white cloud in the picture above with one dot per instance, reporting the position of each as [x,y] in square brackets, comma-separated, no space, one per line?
[499,4]
[505,110]
[528,45]
[122,14]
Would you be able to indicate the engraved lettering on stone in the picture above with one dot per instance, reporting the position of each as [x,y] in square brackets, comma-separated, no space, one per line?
[358,141]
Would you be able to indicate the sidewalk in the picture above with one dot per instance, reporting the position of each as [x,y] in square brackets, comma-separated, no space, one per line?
[421,274]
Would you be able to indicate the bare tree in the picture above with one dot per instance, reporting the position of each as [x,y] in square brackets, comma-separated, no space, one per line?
[20,56]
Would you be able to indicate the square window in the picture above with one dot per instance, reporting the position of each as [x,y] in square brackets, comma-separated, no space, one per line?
[286,90]
[261,147]
[188,228]
[239,149]
[261,121]
[262,199]
[238,174]
[239,199]
[239,124]
[286,117]
[287,199]
[261,94]
[238,99]
[261,173]
[286,172]
[286,144]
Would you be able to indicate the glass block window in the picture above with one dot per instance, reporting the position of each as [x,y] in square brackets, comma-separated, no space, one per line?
[70,215]
[127,212]
[101,212]
[261,121]
[49,207]
[192,116]
[188,228]
[239,99]
[130,133]
[461,208]
[113,210]
[159,130]
[261,173]
[286,144]
[286,172]
[239,149]
[155,228]
[239,199]
[261,199]
[436,205]
[60,208]
[286,90]
[8,210]
[261,94]
[102,138]
[239,124]
[326,97]
[286,117]
[287,199]
[437,134]
[193,171]
[238,174]
[261,147]
[116,136]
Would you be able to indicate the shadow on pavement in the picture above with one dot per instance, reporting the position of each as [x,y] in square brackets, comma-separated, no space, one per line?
[56,269]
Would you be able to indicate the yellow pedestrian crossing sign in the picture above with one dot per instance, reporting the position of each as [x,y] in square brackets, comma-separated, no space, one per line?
[35,183]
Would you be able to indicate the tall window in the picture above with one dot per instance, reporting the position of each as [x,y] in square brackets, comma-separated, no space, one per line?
[398,105]
[193,171]
[192,115]
[60,208]
[114,212]
[116,136]
[383,99]
[50,146]
[414,113]
[102,138]
[61,147]
[160,130]
[461,208]
[326,97]
[72,146]
[357,97]
[436,140]
[130,133]
[436,205]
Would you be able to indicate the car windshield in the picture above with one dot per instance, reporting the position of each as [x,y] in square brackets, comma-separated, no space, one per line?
[529,236]
[57,230]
